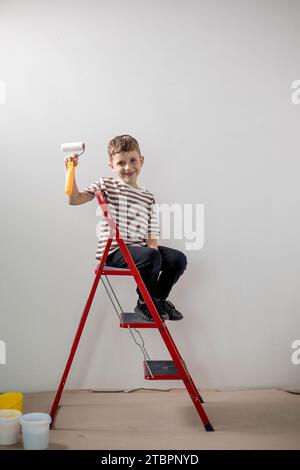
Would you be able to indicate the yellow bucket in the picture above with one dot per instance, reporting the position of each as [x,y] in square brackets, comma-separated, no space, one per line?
[11,401]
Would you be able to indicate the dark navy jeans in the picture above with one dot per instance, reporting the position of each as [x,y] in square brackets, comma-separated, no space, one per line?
[159,269]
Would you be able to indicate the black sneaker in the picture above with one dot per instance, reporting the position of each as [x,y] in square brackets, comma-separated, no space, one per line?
[141,309]
[170,309]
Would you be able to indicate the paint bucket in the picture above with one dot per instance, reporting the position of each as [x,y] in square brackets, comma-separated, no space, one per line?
[11,401]
[9,427]
[35,430]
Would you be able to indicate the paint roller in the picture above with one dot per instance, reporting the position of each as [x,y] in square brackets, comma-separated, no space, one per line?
[72,147]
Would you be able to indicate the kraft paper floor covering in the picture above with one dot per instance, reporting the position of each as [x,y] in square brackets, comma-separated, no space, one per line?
[149,419]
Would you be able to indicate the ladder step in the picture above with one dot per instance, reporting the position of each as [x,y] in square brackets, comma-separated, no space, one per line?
[161,370]
[133,320]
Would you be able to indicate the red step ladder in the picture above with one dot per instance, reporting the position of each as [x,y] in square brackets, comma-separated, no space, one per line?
[154,370]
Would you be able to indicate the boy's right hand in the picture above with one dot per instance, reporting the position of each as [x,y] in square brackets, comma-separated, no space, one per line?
[73,157]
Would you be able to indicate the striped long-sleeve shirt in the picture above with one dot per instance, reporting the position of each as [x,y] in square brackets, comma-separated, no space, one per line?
[133,209]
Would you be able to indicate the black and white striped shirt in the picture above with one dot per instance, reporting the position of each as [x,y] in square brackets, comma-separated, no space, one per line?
[133,209]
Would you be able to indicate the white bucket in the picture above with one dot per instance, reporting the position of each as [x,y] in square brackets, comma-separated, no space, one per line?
[9,427]
[35,430]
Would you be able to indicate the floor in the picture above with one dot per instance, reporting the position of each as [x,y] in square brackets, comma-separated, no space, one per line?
[150,419]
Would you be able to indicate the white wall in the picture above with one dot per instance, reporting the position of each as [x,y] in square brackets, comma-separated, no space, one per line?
[205,86]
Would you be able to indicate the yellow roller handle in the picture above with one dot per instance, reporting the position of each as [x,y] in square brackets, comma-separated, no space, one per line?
[69,178]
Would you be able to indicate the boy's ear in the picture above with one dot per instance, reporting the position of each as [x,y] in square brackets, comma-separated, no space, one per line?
[111,166]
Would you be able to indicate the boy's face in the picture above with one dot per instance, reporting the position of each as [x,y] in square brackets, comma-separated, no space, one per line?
[127,165]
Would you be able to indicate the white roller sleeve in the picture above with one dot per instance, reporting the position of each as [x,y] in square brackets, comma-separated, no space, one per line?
[73,147]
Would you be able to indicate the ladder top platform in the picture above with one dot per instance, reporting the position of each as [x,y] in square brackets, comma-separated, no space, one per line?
[113,271]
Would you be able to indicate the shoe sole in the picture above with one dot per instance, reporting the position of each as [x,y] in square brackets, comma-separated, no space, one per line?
[176,319]
[148,317]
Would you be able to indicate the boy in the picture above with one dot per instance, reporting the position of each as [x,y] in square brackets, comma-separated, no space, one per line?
[160,266]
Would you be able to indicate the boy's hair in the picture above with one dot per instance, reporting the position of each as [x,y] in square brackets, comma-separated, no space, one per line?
[122,143]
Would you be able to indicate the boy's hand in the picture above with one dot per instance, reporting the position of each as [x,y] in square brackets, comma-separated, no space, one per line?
[71,158]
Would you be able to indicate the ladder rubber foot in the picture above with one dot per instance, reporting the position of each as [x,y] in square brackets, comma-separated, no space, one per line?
[208,427]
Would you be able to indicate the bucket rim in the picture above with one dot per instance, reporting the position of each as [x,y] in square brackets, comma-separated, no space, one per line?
[4,411]
[45,418]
